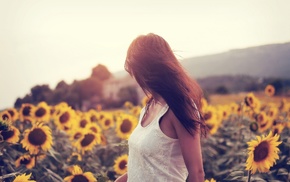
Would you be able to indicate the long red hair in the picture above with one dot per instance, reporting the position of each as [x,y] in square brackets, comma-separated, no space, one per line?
[153,64]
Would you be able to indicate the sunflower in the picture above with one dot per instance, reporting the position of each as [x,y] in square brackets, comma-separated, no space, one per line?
[128,105]
[93,115]
[5,116]
[75,157]
[135,111]
[11,135]
[212,127]
[145,100]
[26,160]
[284,106]
[210,114]
[261,117]
[83,121]
[120,166]
[41,112]
[87,141]
[13,113]
[270,90]
[94,127]
[204,104]
[252,101]
[39,136]
[225,112]
[263,153]
[76,133]
[233,107]
[266,124]
[278,128]
[125,126]
[65,118]
[210,180]
[79,176]
[272,112]
[25,112]
[254,126]
[107,121]
[5,125]
[23,178]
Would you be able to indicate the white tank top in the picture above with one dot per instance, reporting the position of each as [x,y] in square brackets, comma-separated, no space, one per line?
[153,156]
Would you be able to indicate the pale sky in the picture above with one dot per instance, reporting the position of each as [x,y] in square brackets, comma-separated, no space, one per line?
[43,42]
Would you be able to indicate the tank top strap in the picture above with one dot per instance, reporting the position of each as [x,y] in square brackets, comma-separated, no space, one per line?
[161,114]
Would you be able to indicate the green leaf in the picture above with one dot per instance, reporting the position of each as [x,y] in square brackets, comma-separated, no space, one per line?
[9,175]
[282,171]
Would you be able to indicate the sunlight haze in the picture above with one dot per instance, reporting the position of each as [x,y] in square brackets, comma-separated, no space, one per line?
[44,42]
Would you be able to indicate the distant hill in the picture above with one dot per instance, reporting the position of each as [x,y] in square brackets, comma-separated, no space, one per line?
[248,69]
[262,61]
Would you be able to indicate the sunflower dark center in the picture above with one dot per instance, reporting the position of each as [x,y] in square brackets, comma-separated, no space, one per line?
[26,111]
[271,113]
[11,113]
[249,101]
[64,117]
[94,129]
[107,122]
[83,123]
[77,135]
[88,139]
[254,126]
[276,131]
[263,125]
[37,137]
[225,114]
[260,118]
[126,126]
[261,151]
[94,118]
[5,117]
[79,178]
[207,115]
[7,134]
[122,164]
[25,161]
[40,112]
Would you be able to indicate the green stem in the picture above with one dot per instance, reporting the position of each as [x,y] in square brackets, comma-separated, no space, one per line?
[249,175]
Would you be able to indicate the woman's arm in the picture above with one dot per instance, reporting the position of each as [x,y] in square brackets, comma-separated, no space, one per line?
[122,178]
[191,151]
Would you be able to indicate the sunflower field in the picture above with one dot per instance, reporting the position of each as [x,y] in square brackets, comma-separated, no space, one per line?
[248,140]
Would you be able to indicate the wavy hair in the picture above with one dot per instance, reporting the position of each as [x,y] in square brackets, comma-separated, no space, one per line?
[154,66]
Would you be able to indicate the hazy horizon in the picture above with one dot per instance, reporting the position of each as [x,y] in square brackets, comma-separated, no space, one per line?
[44,42]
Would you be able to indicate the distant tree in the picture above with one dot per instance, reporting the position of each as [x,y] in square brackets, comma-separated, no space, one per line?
[40,93]
[101,72]
[18,102]
[62,85]
[90,87]
[279,86]
[221,90]
[74,98]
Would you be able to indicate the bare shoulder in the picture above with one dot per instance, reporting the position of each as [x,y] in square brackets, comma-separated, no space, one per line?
[180,130]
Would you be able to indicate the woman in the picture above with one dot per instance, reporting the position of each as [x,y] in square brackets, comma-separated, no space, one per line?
[165,145]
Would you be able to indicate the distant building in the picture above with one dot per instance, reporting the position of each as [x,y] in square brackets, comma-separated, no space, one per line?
[113,85]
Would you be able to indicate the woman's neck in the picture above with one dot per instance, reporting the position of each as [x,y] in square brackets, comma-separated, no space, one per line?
[157,99]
